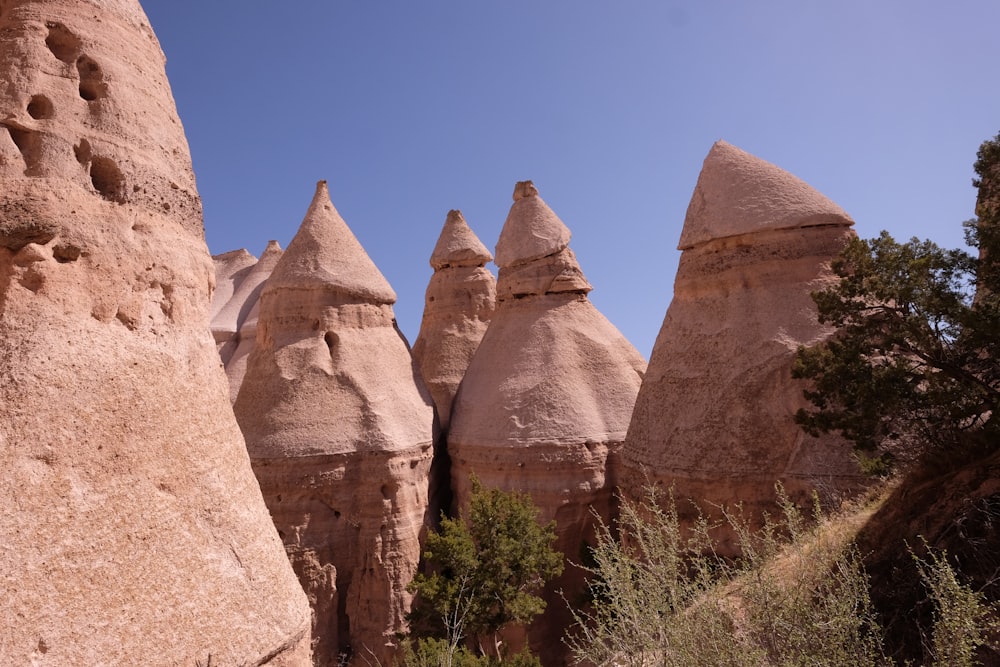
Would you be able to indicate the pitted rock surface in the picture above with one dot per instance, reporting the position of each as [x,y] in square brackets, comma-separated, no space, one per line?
[132,524]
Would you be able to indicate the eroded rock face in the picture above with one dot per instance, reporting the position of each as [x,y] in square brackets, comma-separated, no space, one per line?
[459,303]
[234,326]
[340,432]
[127,532]
[546,400]
[714,417]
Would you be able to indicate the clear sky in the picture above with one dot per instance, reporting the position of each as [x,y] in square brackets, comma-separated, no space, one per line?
[410,108]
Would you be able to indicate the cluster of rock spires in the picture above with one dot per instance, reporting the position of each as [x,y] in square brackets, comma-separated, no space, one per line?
[155,509]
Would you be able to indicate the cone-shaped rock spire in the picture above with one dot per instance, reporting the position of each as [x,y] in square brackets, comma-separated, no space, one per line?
[459,303]
[546,400]
[714,417]
[132,529]
[326,252]
[738,193]
[340,432]
[458,245]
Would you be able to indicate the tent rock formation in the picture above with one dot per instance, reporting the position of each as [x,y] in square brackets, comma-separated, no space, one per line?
[127,533]
[340,432]
[546,400]
[714,417]
[460,301]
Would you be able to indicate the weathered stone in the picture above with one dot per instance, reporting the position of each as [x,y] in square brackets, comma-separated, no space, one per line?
[459,303]
[545,402]
[340,432]
[133,529]
[714,417]
[235,325]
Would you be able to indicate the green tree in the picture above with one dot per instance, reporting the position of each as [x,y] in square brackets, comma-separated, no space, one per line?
[486,571]
[914,363]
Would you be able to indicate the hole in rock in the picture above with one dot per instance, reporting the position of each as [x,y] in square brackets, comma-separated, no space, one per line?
[82,152]
[40,107]
[29,144]
[331,340]
[63,44]
[108,179]
[279,497]
[65,253]
[91,80]
[336,514]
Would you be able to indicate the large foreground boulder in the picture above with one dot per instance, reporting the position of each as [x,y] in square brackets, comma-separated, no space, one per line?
[545,402]
[133,530]
[714,417]
[340,432]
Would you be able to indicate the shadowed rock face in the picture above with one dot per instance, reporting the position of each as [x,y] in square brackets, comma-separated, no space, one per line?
[459,303]
[714,417]
[127,532]
[546,400]
[234,326]
[340,432]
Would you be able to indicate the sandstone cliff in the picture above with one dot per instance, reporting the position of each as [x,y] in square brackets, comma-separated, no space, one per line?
[128,535]
[340,432]
[546,400]
[714,417]
[459,303]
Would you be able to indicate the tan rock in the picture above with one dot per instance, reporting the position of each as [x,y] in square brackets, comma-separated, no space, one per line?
[133,530]
[235,325]
[340,432]
[714,417]
[459,303]
[230,270]
[545,402]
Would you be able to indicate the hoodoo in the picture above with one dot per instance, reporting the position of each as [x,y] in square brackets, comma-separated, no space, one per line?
[714,417]
[340,432]
[459,303]
[235,325]
[546,400]
[133,529]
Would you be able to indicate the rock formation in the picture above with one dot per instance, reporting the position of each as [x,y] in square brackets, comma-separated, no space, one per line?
[714,416]
[234,326]
[339,429]
[459,303]
[128,535]
[546,400]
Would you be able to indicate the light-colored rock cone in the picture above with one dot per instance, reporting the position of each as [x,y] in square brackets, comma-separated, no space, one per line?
[714,418]
[133,530]
[546,400]
[230,270]
[459,303]
[235,325]
[340,431]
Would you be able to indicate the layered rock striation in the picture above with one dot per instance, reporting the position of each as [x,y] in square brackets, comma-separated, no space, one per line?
[714,417]
[545,403]
[128,533]
[234,326]
[458,305]
[340,432]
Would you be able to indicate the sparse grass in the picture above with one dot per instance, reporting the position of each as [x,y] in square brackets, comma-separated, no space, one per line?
[799,594]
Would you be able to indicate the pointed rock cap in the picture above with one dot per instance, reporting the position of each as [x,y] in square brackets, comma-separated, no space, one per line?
[738,193]
[532,230]
[326,253]
[458,245]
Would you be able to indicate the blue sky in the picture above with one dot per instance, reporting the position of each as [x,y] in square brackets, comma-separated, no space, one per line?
[411,108]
